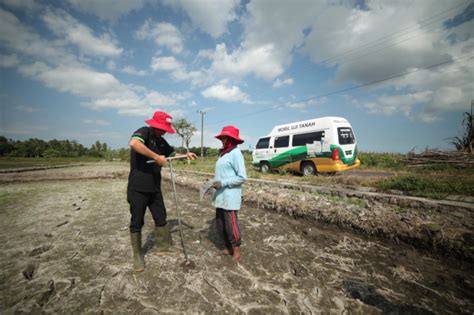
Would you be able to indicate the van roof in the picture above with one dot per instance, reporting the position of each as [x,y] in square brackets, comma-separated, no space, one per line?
[307,125]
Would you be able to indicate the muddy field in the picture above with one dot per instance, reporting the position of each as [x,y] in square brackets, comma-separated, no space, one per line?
[66,249]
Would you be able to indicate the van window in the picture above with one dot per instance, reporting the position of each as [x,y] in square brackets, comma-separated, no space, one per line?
[305,138]
[345,135]
[263,143]
[282,142]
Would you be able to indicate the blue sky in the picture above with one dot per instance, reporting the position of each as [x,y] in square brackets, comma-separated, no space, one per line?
[90,70]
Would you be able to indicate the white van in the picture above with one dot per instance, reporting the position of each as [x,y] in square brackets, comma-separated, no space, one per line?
[319,145]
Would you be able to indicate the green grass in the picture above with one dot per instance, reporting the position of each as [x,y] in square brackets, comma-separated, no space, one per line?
[428,186]
[389,161]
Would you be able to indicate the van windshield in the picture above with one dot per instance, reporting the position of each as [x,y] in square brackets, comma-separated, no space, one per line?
[345,135]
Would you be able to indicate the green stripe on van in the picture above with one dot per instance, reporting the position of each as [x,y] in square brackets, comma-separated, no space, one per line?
[301,153]
[289,156]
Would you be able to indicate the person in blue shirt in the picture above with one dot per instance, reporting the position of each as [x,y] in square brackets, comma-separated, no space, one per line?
[229,176]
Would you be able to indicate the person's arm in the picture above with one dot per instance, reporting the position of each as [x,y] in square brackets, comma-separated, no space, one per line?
[170,152]
[139,147]
[189,155]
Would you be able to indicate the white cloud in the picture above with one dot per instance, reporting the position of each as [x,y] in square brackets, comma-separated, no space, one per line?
[451,85]
[100,89]
[133,71]
[178,70]
[303,104]
[107,9]
[181,96]
[272,32]
[80,81]
[98,122]
[64,25]
[392,104]
[280,83]
[26,109]
[427,118]
[112,66]
[22,39]
[34,69]
[210,16]
[298,105]
[21,4]
[157,99]
[280,23]
[392,38]
[363,46]
[56,67]
[8,61]
[168,63]
[223,93]
[260,61]
[164,35]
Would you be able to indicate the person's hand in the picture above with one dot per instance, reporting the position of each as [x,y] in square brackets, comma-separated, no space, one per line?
[191,156]
[161,160]
[217,184]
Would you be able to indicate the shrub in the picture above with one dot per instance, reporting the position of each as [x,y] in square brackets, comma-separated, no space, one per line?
[382,160]
[430,187]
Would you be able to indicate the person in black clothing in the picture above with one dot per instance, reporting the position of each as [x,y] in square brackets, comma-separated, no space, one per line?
[144,184]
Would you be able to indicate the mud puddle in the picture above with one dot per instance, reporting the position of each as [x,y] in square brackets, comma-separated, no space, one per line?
[66,249]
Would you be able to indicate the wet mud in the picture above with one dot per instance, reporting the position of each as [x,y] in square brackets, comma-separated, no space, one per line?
[66,249]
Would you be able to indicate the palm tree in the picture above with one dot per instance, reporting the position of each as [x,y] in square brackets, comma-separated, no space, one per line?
[466,141]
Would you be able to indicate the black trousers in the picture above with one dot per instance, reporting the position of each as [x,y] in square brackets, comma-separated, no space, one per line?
[139,201]
[227,224]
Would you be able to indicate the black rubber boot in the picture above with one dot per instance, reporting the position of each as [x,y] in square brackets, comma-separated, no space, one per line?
[164,243]
[138,260]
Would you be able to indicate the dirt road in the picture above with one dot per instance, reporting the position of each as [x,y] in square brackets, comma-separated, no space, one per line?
[65,249]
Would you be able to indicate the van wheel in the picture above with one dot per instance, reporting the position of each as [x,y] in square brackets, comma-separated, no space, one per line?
[308,168]
[264,167]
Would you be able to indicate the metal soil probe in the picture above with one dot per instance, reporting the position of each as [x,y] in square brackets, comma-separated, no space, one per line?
[187,263]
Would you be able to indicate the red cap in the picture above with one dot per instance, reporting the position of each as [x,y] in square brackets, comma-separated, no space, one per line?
[161,120]
[230,131]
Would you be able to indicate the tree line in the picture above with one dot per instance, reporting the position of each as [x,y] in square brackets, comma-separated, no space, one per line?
[54,148]
[37,148]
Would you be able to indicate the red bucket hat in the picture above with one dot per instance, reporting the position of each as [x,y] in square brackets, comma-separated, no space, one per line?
[161,120]
[230,131]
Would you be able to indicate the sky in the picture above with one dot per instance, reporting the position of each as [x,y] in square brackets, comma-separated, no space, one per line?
[401,72]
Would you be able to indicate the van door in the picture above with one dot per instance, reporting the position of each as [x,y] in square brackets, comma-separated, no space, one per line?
[280,151]
[262,151]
